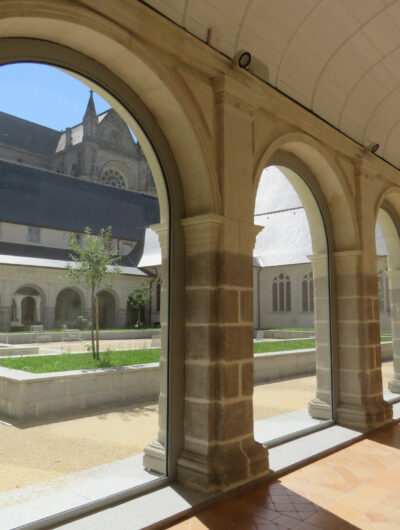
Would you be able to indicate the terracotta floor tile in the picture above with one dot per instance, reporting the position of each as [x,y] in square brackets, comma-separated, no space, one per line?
[357,487]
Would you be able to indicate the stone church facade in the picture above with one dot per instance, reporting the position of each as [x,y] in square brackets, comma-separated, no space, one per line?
[54,184]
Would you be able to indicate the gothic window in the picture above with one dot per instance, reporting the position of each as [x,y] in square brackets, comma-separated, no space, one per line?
[307,292]
[383,291]
[112,177]
[33,234]
[281,294]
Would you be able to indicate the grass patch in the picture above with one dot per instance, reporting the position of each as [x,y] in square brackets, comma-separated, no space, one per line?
[283,345]
[81,361]
[109,359]
[386,338]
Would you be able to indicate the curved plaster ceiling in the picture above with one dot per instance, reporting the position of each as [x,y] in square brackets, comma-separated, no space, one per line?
[338,58]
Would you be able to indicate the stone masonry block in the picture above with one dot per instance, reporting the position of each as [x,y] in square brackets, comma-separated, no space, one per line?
[357,357]
[246,306]
[201,306]
[228,304]
[236,342]
[201,381]
[247,371]
[201,420]
[355,308]
[201,269]
[202,342]
[230,386]
[235,419]
[236,270]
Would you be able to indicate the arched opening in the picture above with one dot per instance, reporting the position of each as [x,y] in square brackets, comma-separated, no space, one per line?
[68,309]
[388,270]
[291,307]
[77,218]
[106,310]
[26,308]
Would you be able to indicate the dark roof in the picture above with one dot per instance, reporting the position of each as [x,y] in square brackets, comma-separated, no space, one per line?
[27,135]
[61,254]
[37,197]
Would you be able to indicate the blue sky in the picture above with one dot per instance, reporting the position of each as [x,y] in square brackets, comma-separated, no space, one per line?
[45,95]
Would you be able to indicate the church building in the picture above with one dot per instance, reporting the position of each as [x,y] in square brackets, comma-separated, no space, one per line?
[92,174]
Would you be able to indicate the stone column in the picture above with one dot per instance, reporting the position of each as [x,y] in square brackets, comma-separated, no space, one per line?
[360,401]
[18,307]
[219,448]
[394,293]
[321,406]
[155,453]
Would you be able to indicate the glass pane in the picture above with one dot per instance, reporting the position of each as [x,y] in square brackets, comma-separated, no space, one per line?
[292,360]
[84,299]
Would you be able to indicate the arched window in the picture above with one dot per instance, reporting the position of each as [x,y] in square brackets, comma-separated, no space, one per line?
[383,291]
[281,295]
[307,292]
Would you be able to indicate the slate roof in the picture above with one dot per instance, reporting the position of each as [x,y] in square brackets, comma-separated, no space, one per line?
[286,238]
[26,135]
[152,252]
[38,197]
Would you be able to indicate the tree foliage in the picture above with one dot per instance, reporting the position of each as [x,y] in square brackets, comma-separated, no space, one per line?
[94,265]
[138,300]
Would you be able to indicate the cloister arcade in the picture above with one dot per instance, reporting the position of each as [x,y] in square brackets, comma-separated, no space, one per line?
[208,129]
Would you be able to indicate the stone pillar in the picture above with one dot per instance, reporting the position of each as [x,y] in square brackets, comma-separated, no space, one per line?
[360,401]
[18,307]
[155,453]
[219,448]
[49,317]
[321,406]
[5,317]
[120,317]
[394,293]
[38,312]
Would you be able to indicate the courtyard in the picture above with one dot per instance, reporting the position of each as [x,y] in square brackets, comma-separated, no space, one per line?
[33,453]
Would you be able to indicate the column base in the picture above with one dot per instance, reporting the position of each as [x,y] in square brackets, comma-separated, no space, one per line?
[155,457]
[319,410]
[394,385]
[224,468]
[362,419]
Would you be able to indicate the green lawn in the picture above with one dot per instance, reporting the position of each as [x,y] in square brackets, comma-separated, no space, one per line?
[283,345]
[81,361]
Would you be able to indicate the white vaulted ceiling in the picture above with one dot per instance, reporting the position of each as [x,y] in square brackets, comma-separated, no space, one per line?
[338,58]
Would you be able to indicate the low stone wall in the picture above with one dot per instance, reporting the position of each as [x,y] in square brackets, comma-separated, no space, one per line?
[30,338]
[284,364]
[30,396]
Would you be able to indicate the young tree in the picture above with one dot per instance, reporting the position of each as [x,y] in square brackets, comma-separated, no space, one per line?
[94,266]
[138,299]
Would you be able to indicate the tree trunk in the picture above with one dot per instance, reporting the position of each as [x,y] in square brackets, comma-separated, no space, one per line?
[92,329]
[97,327]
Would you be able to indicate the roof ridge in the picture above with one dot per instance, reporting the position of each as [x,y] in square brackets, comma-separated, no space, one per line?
[29,121]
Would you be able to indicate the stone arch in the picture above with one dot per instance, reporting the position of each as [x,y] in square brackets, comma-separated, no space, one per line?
[28,306]
[69,306]
[327,181]
[148,89]
[386,217]
[317,212]
[107,309]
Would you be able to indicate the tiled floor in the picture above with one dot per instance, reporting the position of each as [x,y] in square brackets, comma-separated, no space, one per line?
[357,487]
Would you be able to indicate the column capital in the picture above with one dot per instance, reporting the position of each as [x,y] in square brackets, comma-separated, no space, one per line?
[202,233]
